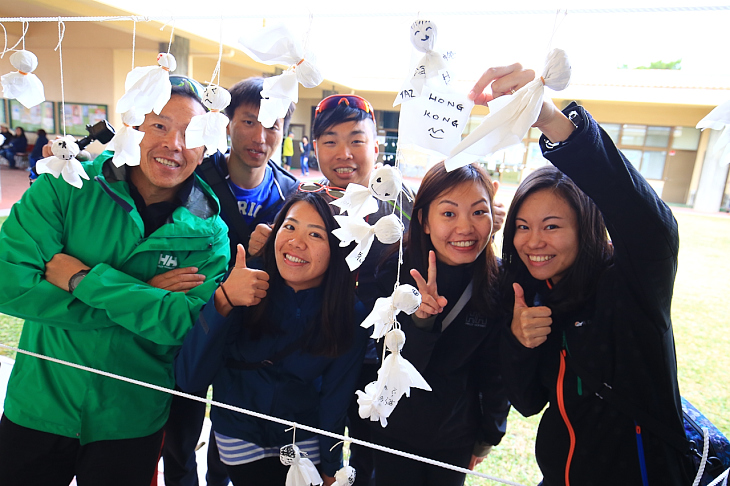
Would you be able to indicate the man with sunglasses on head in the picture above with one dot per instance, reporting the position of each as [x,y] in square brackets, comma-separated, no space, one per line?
[251,189]
[110,276]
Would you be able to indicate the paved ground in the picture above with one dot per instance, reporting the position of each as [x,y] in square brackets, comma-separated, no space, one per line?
[13,183]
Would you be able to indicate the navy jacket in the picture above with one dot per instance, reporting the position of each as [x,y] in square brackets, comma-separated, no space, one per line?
[622,337]
[301,387]
[468,402]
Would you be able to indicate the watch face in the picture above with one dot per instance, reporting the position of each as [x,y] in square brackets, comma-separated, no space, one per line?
[76,279]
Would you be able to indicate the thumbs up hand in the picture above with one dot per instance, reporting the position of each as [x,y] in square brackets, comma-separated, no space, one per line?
[530,325]
[244,286]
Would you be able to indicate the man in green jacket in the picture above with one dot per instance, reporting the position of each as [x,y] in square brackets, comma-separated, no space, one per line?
[111,277]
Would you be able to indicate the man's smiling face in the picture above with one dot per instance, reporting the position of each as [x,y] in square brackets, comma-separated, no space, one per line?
[165,162]
[347,152]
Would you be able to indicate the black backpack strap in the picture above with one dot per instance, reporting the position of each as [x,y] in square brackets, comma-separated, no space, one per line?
[228,202]
[604,391]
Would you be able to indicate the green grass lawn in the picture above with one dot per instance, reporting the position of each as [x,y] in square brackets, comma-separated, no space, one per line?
[701,329]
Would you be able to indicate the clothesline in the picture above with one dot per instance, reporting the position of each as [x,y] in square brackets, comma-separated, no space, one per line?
[330,14]
[264,416]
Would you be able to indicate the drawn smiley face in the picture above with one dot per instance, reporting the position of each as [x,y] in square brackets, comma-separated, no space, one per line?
[386,183]
[423,35]
[437,133]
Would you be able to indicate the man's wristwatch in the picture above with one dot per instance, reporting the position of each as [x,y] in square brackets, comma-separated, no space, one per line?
[76,279]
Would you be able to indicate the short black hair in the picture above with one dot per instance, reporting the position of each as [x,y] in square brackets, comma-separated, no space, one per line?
[248,92]
[342,113]
[187,91]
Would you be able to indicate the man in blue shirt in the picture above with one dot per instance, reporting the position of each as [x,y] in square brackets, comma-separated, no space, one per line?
[251,189]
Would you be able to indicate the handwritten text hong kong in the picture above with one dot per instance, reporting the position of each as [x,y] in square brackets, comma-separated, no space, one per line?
[444,102]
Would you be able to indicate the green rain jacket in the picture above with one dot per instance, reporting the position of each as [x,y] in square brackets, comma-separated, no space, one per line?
[114,321]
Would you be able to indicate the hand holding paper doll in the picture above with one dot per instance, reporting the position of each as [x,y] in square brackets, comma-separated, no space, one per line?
[506,80]
[502,80]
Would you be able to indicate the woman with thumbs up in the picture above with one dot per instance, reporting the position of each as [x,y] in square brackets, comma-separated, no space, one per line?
[591,329]
[281,339]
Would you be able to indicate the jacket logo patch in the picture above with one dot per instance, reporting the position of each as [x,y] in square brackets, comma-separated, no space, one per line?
[476,320]
[167,262]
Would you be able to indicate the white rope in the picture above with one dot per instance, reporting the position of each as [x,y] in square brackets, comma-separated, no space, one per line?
[217,70]
[134,39]
[409,14]
[61,33]
[556,26]
[172,34]
[26,24]
[722,477]
[262,416]
[5,48]
[705,451]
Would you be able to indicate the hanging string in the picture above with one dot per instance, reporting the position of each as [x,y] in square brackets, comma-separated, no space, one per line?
[217,70]
[134,38]
[172,32]
[5,47]
[26,24]
[294,434]
[61,33]
[309,29]
[557,22]
[263,416]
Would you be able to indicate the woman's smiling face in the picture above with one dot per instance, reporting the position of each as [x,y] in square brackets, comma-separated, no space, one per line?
[460,223]
[546,235]
[302,248]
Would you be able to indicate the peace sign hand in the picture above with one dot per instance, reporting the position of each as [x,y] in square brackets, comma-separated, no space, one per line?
[431,302]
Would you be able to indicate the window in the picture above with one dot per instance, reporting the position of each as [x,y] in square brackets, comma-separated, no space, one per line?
[633,135]
[652,164]
[686,138]
[658,137]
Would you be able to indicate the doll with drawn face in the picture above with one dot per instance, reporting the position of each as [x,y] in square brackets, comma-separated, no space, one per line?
[423,35]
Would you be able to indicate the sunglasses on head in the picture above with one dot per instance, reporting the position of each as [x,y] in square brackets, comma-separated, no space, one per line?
[353,101]
[333,192]
[186,82]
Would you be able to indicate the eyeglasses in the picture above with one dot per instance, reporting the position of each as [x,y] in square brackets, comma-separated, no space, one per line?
[353,101]
[333,192]
[190,83]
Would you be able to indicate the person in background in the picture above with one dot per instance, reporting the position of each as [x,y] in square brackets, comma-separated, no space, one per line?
[287,151]
[37,153]
[18,144]
[7,136]
[304,149]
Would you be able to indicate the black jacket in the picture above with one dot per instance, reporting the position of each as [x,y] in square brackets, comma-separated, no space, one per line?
[468,402]
[623,336]
[214,171]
